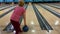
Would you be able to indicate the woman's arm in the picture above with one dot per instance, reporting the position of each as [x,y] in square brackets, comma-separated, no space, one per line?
[24,16]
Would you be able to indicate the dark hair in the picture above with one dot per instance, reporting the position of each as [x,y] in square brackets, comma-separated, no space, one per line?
[21,3]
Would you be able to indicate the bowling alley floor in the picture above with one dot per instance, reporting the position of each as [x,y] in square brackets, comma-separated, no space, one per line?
[32,21]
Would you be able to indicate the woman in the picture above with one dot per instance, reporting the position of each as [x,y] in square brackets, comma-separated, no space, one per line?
[18,12]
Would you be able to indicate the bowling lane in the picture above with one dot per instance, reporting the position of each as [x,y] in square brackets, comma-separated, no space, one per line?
[51,19]
[55,9]
[56,4]
[31,21]
[5,10]
[4,7]
[5,20]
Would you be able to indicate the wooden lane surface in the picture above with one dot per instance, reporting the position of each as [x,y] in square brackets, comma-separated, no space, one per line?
[51,19]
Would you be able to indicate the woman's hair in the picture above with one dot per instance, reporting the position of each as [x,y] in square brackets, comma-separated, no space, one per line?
[21,3]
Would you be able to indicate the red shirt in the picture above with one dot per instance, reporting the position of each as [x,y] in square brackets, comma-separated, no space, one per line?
[18,11]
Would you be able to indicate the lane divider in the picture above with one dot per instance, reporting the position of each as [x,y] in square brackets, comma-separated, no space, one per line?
[58,7]
[42,21]
[7,12]
[50,10]
[5,7]
[52,7]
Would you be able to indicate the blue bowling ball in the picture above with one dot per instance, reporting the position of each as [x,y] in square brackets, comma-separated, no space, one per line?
[25,28]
